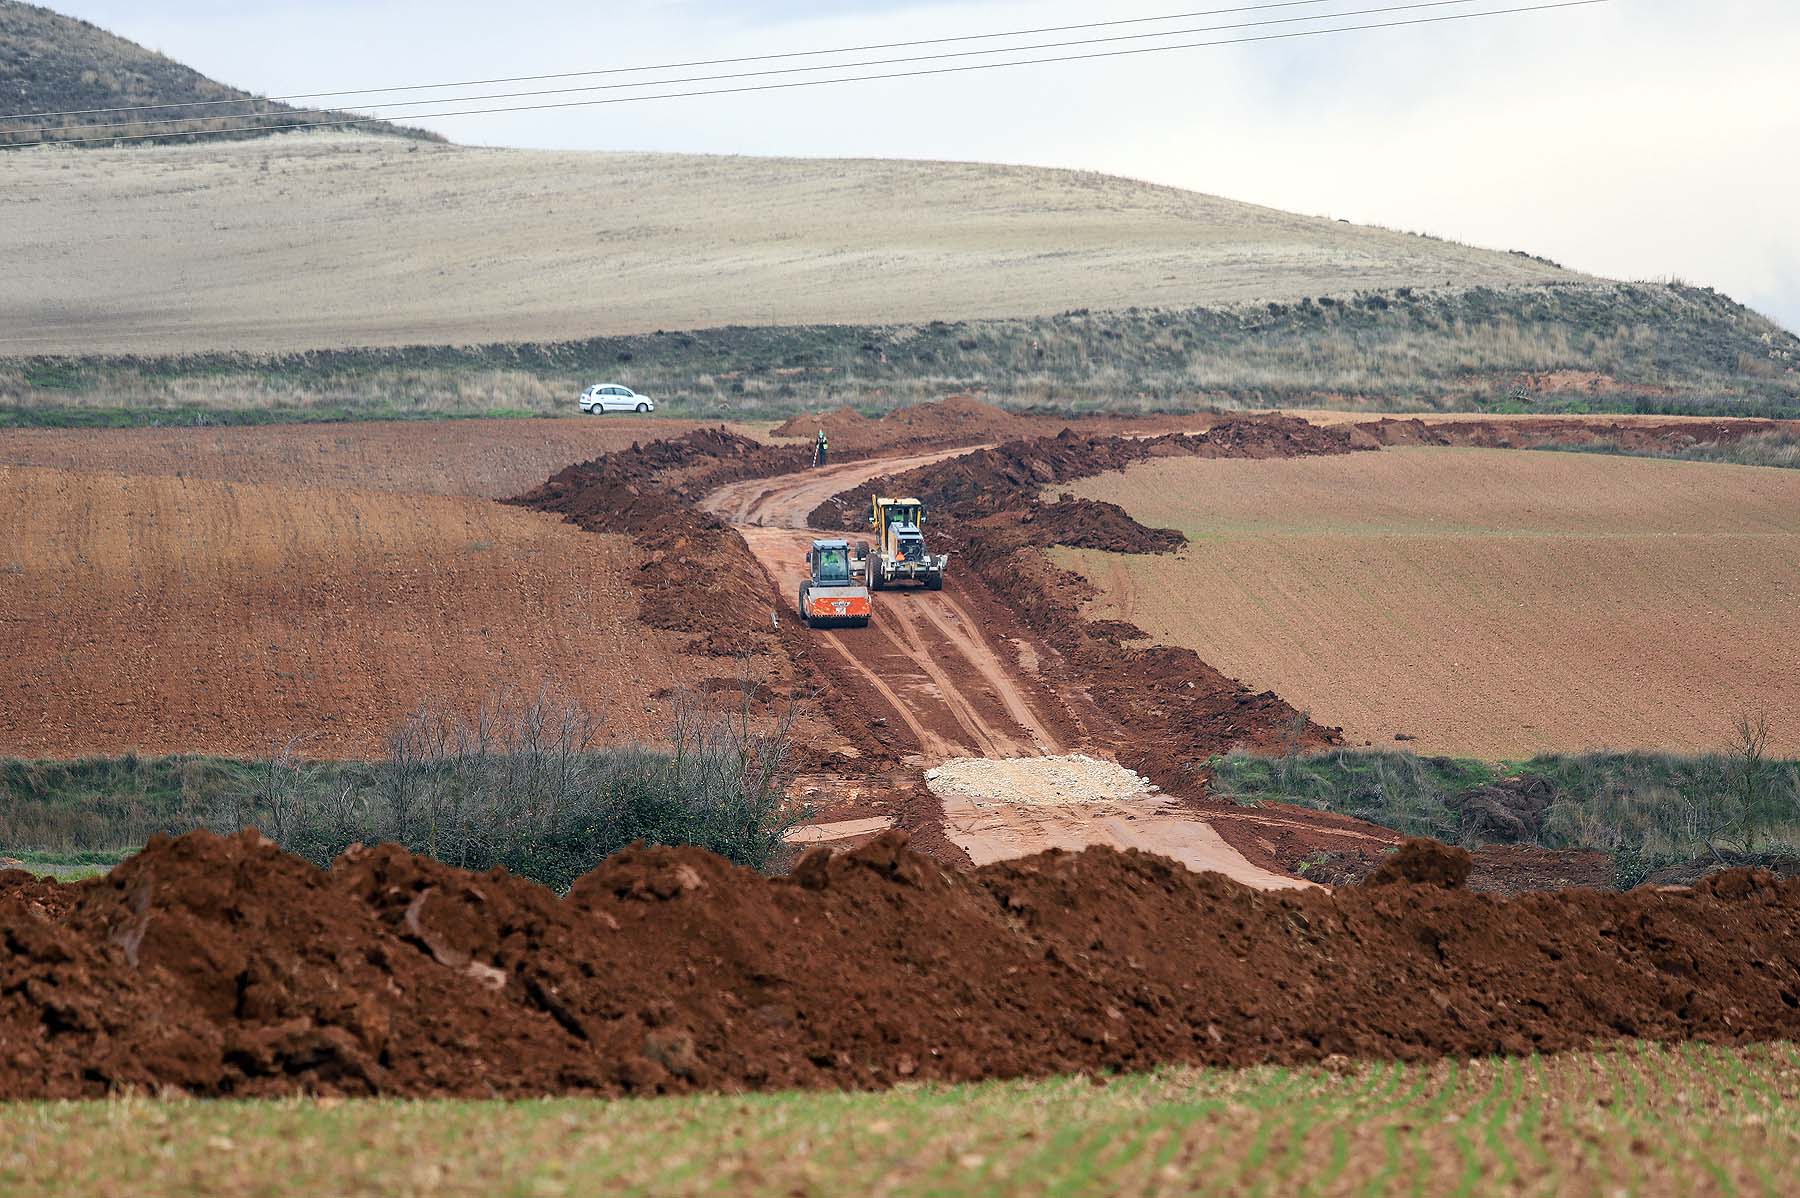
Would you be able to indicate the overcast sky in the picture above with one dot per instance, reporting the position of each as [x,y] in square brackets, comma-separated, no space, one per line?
[1636,139]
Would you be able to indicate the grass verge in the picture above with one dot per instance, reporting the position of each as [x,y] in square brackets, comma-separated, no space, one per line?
[518,785]
[1589,347]
[1651,811]
[1686,1119]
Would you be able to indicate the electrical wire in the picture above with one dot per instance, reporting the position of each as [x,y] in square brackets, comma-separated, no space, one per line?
[844,66]
[793,84]
[675,66]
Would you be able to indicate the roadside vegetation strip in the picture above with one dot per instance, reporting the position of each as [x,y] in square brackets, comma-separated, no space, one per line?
[1667,815]
[521,784]
[1693,1120]
[1576,349]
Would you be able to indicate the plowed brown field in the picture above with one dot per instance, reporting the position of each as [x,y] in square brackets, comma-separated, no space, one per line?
[1488,602]
[186,614]
[491,458]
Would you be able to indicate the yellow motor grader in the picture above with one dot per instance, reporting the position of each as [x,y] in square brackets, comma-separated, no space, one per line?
[899,553]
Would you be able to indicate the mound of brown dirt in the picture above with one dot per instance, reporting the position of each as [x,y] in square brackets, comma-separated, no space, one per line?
[845,426]
[1091,524]
[1424,863]
[957,417]
[1510,810]
[1009,476]
[45,895]
[628,489]
[955,420]
[224,967]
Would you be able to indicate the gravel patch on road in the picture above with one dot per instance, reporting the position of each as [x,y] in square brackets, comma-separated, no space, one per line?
[1037,781]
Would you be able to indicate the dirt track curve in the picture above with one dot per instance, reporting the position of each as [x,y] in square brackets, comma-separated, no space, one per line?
[950,669]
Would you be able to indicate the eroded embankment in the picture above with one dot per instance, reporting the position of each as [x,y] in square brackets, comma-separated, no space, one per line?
[224,967]
[987,510]
[1637,436]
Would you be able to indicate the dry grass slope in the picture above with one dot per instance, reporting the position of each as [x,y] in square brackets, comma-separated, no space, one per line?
[329,240]
[1490,603]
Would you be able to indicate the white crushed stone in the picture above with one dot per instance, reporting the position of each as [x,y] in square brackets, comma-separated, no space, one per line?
[1066,781]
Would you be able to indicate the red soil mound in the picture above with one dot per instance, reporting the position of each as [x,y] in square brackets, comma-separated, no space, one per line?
[957,417]
[224,967]
[1424,863]
[629,489]
[1009,476]
[1092,524]
[846,427]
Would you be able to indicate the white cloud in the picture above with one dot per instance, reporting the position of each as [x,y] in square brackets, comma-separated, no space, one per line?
[1640,138]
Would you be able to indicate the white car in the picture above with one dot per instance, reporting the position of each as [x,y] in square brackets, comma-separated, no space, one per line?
[611,397]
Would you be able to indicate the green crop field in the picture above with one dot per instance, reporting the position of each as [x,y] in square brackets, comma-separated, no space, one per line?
[1683,1120]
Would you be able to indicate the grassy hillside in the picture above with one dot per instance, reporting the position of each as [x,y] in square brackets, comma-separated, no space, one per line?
[1561,347]
[53,63]
[328,241]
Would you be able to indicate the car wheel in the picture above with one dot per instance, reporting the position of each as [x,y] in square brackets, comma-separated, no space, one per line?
[642,408]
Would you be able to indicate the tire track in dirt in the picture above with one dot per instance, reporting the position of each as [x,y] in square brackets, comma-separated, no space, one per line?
[784,500]
[931,673]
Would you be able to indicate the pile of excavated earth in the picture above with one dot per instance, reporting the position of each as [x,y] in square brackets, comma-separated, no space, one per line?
[222,966]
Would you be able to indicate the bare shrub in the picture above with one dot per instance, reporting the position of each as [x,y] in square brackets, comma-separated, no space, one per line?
[521,784]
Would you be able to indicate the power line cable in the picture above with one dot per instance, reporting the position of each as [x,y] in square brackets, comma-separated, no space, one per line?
[844,66]
[765,87]
[677,66]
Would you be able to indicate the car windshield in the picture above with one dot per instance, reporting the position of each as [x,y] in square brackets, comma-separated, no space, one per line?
[834,565]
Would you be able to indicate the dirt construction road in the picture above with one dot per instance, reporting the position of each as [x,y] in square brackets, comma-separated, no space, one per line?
[948,672]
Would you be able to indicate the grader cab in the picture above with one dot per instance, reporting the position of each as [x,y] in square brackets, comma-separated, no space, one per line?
[899,554]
